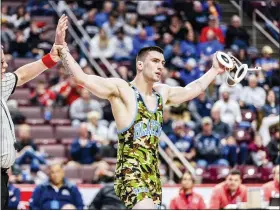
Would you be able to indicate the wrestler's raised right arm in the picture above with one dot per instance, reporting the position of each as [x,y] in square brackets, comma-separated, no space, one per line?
[104,88]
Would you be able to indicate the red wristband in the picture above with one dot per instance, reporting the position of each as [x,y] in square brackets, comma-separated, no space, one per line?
[47,60]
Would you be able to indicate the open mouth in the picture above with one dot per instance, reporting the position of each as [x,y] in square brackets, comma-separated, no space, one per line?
[158,74]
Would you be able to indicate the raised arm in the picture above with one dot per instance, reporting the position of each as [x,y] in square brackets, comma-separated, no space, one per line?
[177,95]
[29,71]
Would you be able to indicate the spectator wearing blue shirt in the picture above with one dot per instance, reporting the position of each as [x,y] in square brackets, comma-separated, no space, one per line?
[207,49]
[190,73]
[103,16]
[220,128]
[271,106]
[208,146]
[56,193]
[14,197]
[140,41]
[167,122]
[200,107]
[188,46]
[183,141]
[198,17]
[83,150]
[266,62]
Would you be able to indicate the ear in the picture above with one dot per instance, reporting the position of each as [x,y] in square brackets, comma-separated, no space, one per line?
[139,65]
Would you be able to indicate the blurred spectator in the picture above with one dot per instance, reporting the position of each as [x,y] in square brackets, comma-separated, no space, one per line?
[177,29]
[97,127]
[271,106]
[14,197]
[57,192]
[147,8]
[39,7]
[167,122]
[121,11]
[84,150]
[28,153]
[82,106]
[273,148]
[59,76]
[14,194]
[42,96]
[68,91]
[112,26]
[140,41]
[229,109]
[272,12]
[187,198]
[113,132]
[103,16]
[19,48]
[208,146]
[258,152]
[183,142]
[198,17]
[234,91]
[21,19]
[266,123]
[190,73]
[6,16]
[43,46]
[24,137]
[236,34]
[252,96]
[213,8]
[75,8]
[206,49]
[102,45]
[89,24]
[213,24]
[188,45]
[125,73]
[123,46]
[7,35]
[200,107]
[132,27]
[106,199]
[229,192]
[17,116]
[271,189]
[219,127]
[266,62]
[235,154]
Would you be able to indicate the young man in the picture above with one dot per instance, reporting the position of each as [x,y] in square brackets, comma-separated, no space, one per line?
[229,192]
[8,83]
[137,108]
[187,199]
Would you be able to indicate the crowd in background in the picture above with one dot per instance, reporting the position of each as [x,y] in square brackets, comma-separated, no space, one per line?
[227,126]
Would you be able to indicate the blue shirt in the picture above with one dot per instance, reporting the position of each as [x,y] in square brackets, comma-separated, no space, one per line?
[14,197]
[188,49]
[84,155]
[101,18]
[139,44]
[203,107]
[210,47]
[183,144]
[208,147]
[190,76]
[45,197]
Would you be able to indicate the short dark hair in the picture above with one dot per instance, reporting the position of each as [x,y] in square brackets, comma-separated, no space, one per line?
[143,51]
[189,173]
[235,172]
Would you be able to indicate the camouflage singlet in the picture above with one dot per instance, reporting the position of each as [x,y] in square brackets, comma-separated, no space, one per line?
[137,173]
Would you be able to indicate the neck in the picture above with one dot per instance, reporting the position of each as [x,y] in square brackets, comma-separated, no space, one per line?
[59,185]
[188,190]
[144,86]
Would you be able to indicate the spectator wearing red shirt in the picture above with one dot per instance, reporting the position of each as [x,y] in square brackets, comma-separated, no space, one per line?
[213,24]
[187,199]
[42,96]
[271,189]
[229,192]
[68,91]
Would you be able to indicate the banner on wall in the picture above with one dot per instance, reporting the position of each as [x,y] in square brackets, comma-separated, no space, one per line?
[89,191]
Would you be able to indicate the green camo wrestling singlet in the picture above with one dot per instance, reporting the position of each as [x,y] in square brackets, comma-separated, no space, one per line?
[137,170]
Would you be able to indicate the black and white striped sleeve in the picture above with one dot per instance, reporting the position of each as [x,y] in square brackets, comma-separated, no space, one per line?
[9,83]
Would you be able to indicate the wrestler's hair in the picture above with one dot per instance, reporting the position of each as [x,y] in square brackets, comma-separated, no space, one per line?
[143,52]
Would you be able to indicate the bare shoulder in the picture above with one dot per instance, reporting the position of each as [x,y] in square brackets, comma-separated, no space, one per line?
[118,81]
[163,90]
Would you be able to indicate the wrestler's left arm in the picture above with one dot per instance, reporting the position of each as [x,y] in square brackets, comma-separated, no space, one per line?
[177,95]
